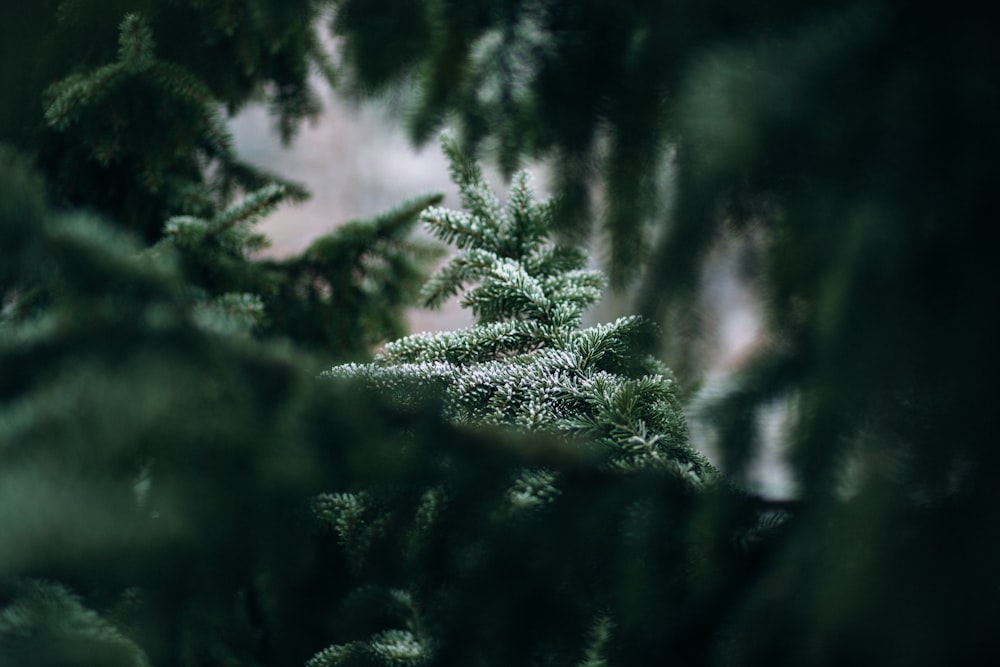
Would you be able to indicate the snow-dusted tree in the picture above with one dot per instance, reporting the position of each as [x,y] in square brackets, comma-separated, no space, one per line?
[527,363]
[469,537]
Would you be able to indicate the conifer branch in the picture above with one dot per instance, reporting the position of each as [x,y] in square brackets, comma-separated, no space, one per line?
[446,282]
[69,96]
[476,195]
[525,364]
[457,227]
[255,206]
[135,44]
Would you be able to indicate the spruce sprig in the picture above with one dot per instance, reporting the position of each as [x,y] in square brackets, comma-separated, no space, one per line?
[527,364]
[526,367]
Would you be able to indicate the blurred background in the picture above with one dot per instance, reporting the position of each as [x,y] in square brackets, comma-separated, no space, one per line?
[356,163]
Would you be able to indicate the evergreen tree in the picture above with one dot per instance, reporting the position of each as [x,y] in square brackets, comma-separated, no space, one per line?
[132,124]
[433,555]
[854,143]
[158,464]
[157,451]
[143,140]
[338,299]
[156,447]
[527,363]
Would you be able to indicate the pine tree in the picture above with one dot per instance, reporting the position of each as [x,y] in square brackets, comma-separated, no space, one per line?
[143,140]
[159,438]
[853,145]
[591,404]
[527,363]
[122,105]
[161,470]
[159,466]
[339,298]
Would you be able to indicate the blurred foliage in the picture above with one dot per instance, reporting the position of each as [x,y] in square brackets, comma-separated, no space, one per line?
[178,488]
[338,299]
[121,104]
[162,474]
[855,144]
[142,140]
[581,403]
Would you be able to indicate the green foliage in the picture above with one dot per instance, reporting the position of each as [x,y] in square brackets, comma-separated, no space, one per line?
[143,140]
[586,84]
[165,469]
[151,127]
[44,624]
[103,381]
[865,217]
[347,292]
[132,125]
[853,146]
[527,363]
[174,491]
[156,459]
[584,405]
[340,297]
